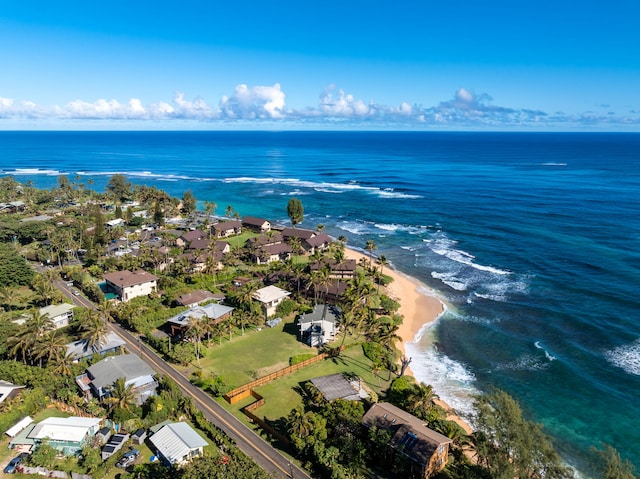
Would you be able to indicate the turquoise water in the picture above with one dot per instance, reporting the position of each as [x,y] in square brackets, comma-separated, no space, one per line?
[532,238]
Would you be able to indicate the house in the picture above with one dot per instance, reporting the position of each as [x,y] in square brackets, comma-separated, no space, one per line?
[60,314]
[427,449]
[65,434]
[80,349]
[273,252]
[215,312]
[301,234]
[317,243]
[270,297]
[103,435]
[14,430]
[8,390]
[114,223]
[135,372]
[259,225]
[320,326]
[339,270]
[177,443]
[227,228]
[127,285]
[194,298]
[139,436]
[190,236]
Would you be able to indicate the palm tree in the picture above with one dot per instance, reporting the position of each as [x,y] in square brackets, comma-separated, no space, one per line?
[20,345]
[121,395]
[51,347]
[382,261]
[421,400]
[38,325]
[94,331]
[63,364]
[370,247]
[196,330]
[299,423]
[321,279]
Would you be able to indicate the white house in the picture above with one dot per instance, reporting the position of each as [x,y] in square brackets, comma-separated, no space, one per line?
[319,326]
[270,297]
[66,434]
[60,314]
[177,443]
[128,285]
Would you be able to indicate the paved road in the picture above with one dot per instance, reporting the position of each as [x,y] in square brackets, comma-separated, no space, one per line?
[267,457]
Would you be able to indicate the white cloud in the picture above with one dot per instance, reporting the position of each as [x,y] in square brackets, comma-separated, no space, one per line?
[258,102]
[266,104]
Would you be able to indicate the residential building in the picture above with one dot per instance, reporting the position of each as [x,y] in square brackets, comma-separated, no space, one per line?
[269,298]
[194,298]
[320,326]
[410,437]
[259,225]
[60,314]
[190,236]
[177,443]
[65,434]
[8,390]
[128,285]
[99,377]
[215,312]
[227,228]
[80,349]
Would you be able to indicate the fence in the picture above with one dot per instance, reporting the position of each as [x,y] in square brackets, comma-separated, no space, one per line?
[244,391]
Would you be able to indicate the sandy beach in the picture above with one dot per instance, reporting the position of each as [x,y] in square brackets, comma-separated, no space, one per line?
[417,308]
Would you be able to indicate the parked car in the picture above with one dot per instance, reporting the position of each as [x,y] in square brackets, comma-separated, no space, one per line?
[128,458]
[13,463]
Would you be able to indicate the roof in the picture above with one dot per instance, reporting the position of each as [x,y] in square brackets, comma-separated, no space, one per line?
[277,248]
[72,429]
[201,243]
[194,297]
[298,233]
[127,366]
[55,310]
[322,312]
[176,440]
[78,349]
[254,221]
[19,426]
[269,294]
[410,434]
[335,386]
[211,310]
[227,225]
[319,240]
[125,278]
[6,388]
[193,235]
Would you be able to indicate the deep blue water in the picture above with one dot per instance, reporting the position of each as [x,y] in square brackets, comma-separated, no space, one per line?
[532,238]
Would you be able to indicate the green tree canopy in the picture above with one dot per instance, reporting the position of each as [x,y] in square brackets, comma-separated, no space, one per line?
[295,211]
[14,269]
[119,187]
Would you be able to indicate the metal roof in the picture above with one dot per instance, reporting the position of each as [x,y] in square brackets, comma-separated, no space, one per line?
[128,366]
[72,428]
[174,441]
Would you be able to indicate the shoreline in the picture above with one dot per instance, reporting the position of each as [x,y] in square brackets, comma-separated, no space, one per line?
[418,308]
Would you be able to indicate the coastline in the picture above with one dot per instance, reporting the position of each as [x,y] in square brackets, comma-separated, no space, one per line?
[418,308]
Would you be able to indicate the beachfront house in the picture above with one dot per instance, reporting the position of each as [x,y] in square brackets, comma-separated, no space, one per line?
[128,285]
[410,438]
[320,326]
[269,298]
[259,225]
[99,378]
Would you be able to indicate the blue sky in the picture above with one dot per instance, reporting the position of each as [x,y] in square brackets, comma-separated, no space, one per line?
[542,65]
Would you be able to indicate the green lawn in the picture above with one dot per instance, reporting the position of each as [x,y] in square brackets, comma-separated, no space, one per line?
[253,355]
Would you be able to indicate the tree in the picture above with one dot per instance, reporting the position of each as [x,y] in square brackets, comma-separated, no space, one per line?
[14,269]
[611,465]
[370,247]
[121,395]
[94,330]
[510,446]
[158,213]
[421,400]
[295,211]
[119,187]
[188,202]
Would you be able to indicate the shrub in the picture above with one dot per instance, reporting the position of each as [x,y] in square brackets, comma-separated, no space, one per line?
[300,358]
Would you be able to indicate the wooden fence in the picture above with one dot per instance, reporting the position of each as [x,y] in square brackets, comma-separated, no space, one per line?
[244,391]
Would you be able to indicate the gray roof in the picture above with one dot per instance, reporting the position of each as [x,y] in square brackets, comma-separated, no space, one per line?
[331,314]
[78,349]
[176,440]
[127,366]
[212,310]
[335,386]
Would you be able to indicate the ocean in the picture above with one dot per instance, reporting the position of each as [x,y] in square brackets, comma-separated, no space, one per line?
[532,240]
